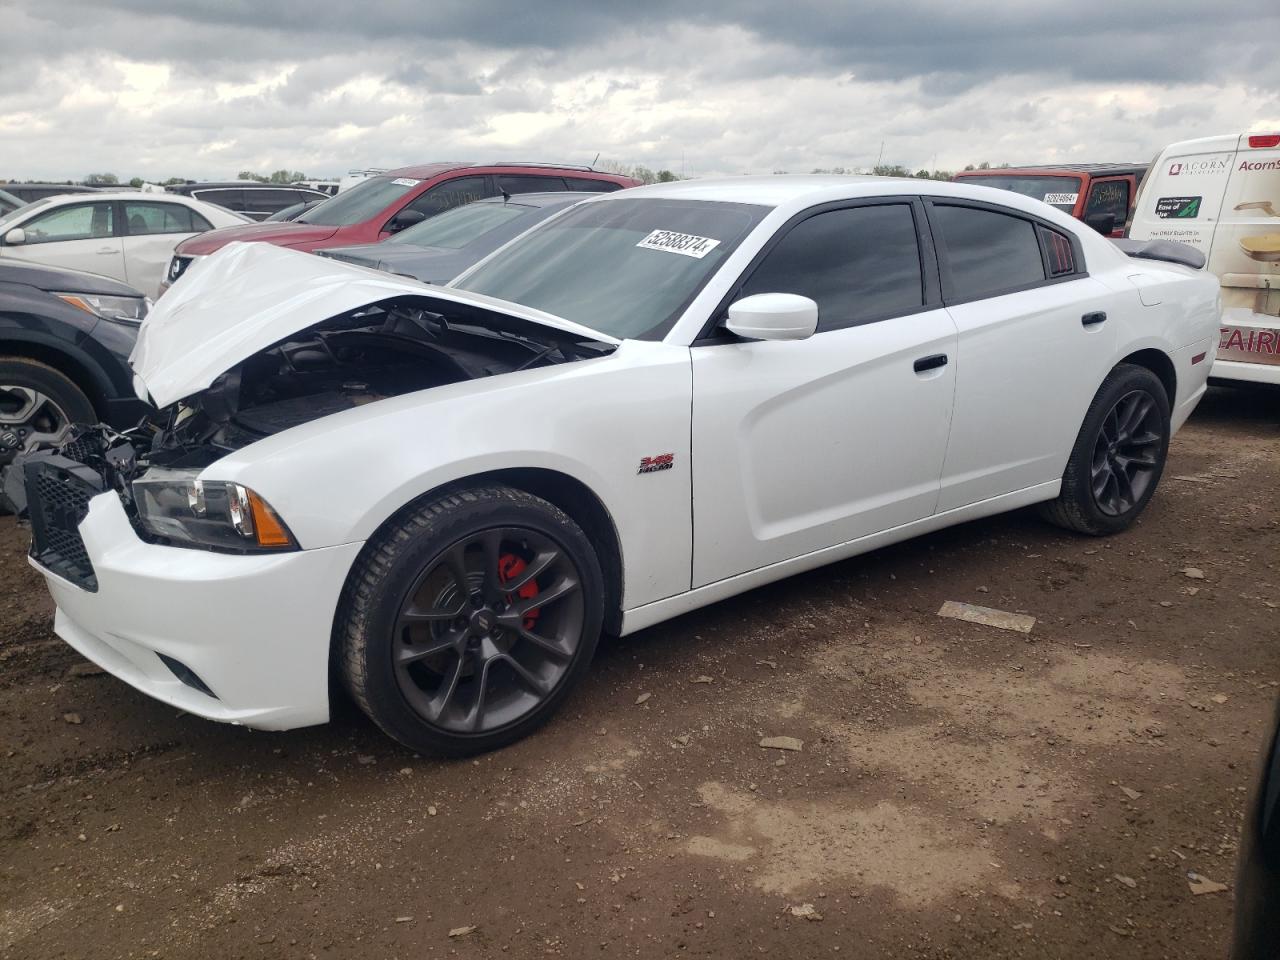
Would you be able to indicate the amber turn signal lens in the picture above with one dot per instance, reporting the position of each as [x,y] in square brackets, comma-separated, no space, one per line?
[268,529]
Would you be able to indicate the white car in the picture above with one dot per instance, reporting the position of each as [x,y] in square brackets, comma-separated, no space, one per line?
[656,400]
[126,235]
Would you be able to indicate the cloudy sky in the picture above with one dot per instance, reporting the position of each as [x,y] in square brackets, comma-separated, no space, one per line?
[143,88]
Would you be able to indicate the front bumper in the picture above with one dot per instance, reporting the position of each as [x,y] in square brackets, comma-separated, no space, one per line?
[255,629]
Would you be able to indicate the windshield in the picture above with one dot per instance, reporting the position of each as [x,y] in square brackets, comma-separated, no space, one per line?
[23,210]
[1060,192]
[626,267]
[455,228]
[359,203]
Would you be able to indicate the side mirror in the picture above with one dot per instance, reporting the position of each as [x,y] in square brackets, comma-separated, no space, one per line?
[406,218]
[15,237]
[773,316]
[1104,223]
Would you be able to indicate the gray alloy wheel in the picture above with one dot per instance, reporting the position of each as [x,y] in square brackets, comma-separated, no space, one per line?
[468,618]
[28,418]
[488,629]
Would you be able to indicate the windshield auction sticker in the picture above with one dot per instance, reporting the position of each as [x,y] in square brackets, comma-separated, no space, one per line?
[685,244]
[1061,198]
[1178,208]
[405,182]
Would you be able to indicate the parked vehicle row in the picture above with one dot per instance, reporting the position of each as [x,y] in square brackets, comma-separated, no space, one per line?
[386,203]
[328,482]
[255,201]
[125,235]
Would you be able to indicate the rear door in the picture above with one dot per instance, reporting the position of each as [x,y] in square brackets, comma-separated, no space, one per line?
[803,445]
[1034,346]
[79,236]
[152,229]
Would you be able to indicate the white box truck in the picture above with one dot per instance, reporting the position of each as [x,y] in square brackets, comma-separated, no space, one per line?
[1221,195]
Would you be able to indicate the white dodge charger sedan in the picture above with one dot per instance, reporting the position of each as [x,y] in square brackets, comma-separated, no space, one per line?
[656,400]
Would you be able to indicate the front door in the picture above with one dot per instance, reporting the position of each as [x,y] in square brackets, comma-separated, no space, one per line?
[78,236]
[807,444]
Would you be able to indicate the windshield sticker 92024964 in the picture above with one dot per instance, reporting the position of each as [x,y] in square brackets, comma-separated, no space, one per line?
[1061,197]
[685,244]
[405,182]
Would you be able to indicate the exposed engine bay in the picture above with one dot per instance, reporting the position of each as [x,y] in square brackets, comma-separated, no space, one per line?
[381,350]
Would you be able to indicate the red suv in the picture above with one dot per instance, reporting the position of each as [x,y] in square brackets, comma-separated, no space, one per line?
[1100,194]
[379,206]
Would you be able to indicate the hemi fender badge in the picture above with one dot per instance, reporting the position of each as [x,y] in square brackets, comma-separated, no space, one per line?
[663,461]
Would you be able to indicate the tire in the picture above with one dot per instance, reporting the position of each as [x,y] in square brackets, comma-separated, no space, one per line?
[63,404]
[1109,452]
[455,670]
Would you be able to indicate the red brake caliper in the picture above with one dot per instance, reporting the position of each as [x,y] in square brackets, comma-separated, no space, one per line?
[509,567]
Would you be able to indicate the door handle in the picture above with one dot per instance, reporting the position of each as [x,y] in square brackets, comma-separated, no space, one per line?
[1093,319]
[931,362]
[105,250]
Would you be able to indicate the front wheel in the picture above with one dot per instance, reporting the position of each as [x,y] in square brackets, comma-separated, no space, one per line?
[1118,456]
[465,623]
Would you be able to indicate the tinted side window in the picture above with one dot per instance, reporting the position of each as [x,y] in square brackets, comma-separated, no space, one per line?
[1109,196]
[231,199]
[860,264]
[594,186]
[988,252]
[450,194]
[530,184]
[81,221]
[151,218]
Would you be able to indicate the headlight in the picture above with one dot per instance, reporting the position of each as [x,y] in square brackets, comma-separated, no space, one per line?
[128,309]
[186,511]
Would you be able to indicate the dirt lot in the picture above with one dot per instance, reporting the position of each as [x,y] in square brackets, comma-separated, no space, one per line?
[962,791]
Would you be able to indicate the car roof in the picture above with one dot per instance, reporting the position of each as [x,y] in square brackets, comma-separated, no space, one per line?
[545,199]
[236,184]
[1093,169]
[794,193]
[123,195]
[428,170]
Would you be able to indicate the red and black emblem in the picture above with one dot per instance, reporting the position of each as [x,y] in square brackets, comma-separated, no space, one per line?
[654,464]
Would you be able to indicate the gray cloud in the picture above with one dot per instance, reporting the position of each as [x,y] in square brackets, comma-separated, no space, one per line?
[759,86]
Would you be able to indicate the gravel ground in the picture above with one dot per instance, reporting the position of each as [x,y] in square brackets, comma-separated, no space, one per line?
[962,791]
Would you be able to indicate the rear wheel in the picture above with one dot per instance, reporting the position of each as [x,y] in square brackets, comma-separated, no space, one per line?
[1118,457]
[466,623]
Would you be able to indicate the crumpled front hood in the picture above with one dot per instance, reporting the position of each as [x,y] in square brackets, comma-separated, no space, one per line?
[248,296]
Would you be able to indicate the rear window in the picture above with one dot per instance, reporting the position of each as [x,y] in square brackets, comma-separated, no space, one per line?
[594,186]
[1060,192]
[988,253]
[366,199]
